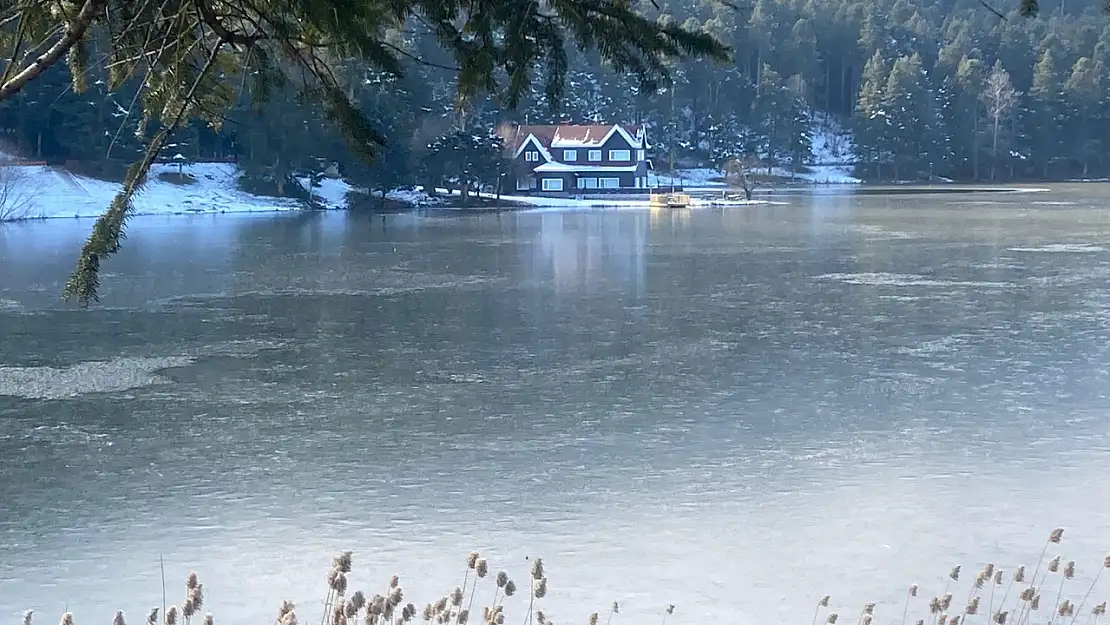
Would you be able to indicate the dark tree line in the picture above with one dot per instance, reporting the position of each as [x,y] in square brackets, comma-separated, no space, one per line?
[928,88]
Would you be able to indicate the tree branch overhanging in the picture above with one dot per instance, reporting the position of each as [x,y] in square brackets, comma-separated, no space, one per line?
[74,33]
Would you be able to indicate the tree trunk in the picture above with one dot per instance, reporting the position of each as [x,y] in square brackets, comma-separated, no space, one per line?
[975,148]
[994,147]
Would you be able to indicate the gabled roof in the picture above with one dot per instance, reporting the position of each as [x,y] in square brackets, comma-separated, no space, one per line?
[570,136]
[553,166]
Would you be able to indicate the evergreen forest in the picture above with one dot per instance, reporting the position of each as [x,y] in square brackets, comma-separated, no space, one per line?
[927,89]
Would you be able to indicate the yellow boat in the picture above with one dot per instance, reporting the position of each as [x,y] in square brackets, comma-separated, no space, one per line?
[670,200]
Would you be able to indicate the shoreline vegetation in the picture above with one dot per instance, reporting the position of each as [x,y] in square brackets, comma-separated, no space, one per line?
[1022,596]
[38,192]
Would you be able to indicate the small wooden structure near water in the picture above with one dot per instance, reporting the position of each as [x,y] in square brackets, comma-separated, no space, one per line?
[674,199]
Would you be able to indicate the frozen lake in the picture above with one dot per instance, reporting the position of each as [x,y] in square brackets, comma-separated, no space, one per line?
[732,410]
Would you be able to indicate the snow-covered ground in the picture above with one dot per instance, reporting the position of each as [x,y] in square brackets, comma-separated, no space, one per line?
[832,159]
[702,177]
[46,192]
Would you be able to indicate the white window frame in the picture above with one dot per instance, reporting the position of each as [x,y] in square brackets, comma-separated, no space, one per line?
[587,183]
[594,155]
[640,155]
[609,183]
[532,156]
[570,155]
[556,184]
[620,155]
[525,183]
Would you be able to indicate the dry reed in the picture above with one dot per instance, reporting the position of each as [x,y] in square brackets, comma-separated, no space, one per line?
[1002,606]
[1009,598]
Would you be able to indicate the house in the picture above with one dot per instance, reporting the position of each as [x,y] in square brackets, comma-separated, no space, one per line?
[573,159]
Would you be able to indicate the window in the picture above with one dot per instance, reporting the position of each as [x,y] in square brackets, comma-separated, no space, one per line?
[526,183]
[640,155]
[610,183]
[570,155]
[587,183]
[552,184]
[595,155]
[531,156]
[620,155]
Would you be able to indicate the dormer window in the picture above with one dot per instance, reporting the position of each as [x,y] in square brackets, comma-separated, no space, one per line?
[595,155]
[570,155]
[620,155]
[532,156]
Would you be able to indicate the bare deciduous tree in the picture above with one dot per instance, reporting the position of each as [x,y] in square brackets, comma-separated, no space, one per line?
[999,98]
[742,172]
[17,199]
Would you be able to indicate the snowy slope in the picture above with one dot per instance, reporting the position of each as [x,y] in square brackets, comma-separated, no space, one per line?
[832,155]
[831,161]
[49,192]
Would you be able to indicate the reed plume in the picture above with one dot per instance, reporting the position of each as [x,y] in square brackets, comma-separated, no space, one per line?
[593,619]
[471,564]
[910,593]
[67,619]
[1068,573]
[667,612]
[972,607]
[171,615]
[118,620]
[27,617]
[1094,582]
[953,576]
[481,568]
[152,617]
[337,582]
[823,603]
[537,577]
[616,609]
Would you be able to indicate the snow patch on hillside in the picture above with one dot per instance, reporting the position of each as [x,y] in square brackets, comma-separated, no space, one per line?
[688,178]
[831,143]
[832,160]
[170,190]
[832,154]
[330,193]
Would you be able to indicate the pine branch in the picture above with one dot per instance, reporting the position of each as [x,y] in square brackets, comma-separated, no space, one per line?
[21,36]
[213,22]
[74,33]
[108,232]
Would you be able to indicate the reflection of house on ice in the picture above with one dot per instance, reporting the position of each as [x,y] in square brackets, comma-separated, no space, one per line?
[592,250]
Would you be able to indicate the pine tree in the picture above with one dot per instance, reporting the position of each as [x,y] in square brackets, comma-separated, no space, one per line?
[871,119]
[970,78]
[1085,88]
[1045,113]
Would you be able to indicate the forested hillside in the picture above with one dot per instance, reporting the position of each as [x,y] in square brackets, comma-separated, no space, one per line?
[929,88]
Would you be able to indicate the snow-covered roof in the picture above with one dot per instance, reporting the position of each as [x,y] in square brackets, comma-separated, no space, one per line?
[537,144]
[593,136]
[554,166]
[571,136]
